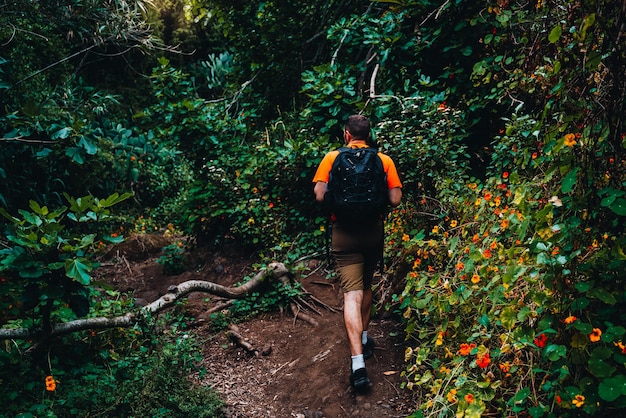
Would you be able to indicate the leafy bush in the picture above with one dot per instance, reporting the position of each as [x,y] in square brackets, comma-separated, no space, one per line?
[119,373]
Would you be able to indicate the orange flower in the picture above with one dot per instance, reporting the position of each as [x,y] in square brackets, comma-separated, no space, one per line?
[505,367]
[483,361]
[475,278]
[452,396]
[504,224]
[505,175]
[469,398]
[534,155]
[50,384]
[466,348]
[460,266]
[475,238]
[487,196]
[621,346]
[541,340]
[487,253]
[595,335]
[570,140]
[570,319]
[578,401]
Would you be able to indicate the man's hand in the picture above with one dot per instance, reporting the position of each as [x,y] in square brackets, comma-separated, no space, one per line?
[320,190]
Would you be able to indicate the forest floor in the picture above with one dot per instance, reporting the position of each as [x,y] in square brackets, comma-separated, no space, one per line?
[306,374]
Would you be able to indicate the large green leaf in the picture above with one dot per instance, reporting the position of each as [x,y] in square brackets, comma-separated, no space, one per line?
[612,388]
[77,270]
[555,34]
[569,180]
[619,207]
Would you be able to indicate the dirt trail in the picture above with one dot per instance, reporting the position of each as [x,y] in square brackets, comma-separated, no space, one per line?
[307,372]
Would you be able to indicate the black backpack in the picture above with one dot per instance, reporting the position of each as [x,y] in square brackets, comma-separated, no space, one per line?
[357,187]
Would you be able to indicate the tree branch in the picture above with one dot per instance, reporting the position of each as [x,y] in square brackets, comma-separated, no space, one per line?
[174,293]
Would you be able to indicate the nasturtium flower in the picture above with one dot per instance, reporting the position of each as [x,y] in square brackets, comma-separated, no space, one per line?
[570,319]
[578,401]
[487,196]
[50,384]
[505,367]
[408,353]
[465,348]
[621,346]
[452,396]
[570,140]
[469,398]
[505,175]
[475,278]
[435,229]
[460,266]
[453,223]
[483,361]
[595,335]
[541,340]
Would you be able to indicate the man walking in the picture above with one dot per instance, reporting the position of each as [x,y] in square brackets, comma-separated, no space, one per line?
[357,247]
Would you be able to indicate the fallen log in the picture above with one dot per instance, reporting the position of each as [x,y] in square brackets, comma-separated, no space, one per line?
[174,293]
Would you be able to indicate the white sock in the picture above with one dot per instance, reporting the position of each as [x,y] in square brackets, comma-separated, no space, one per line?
[357,362]
[364,338]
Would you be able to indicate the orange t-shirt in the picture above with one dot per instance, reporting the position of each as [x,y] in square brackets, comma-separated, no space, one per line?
[323,171]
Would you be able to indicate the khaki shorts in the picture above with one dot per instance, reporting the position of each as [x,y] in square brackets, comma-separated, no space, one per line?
[357,252]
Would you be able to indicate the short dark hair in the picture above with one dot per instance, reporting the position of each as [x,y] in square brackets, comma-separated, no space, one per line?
[358,126]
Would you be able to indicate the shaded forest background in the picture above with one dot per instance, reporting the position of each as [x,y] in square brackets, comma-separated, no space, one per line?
[208,118]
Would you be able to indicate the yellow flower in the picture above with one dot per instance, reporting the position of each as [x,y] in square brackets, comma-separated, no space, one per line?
[570,140]
[475,278]
[408,353]
[407,313]
[452,396]
[405,237]
[453,224]
[595,335]
[578,401]
[435,229]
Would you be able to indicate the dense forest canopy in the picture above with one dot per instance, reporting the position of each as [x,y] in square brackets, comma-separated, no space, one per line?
[506,120]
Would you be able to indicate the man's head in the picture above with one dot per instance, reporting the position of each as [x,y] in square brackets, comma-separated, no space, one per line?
[358,126]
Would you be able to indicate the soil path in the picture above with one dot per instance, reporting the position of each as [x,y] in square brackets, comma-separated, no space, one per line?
[307,372]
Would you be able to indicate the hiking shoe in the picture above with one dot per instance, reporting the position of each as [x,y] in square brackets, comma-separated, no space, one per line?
[368,348]
[359,379]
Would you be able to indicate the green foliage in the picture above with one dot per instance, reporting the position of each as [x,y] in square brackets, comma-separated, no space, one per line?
[173,258]
[47,259]
[118,373]
[271,297]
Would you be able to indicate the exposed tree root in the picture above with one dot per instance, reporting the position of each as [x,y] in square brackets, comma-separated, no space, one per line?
[174,293]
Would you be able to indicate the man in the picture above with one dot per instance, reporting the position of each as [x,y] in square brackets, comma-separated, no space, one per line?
[357,250]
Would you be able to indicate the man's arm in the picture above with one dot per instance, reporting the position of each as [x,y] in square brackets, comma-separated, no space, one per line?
[395,196]
[320,191]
